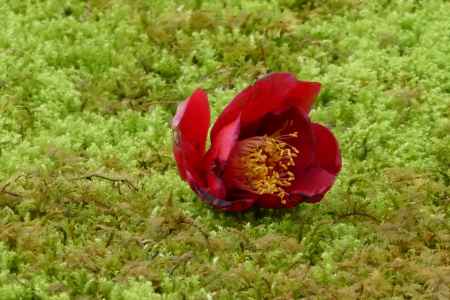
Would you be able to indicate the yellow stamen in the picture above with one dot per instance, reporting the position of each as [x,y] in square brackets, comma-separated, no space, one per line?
[264,164]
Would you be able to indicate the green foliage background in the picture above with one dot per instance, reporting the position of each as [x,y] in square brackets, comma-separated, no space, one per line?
[91,206]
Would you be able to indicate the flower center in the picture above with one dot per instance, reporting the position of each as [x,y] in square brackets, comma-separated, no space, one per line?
[262,165]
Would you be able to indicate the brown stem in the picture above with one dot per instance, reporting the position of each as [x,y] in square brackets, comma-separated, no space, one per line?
[110,179]
[5,186]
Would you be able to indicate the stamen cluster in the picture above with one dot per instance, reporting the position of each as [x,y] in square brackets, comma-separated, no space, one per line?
[264,163]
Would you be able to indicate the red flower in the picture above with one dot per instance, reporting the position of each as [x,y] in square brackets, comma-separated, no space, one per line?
[264,149]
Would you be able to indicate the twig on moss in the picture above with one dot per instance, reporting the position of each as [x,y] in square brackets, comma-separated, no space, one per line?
[3,189]
[183,259]
[125,181]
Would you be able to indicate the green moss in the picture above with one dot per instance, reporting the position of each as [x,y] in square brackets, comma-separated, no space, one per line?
[91,205]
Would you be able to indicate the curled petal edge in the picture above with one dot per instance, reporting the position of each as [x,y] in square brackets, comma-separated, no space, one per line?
[266,95]
[314,181]
[304,94]
[217,156]
[328,155]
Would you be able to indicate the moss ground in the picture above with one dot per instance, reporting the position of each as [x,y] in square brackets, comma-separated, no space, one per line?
[91,206]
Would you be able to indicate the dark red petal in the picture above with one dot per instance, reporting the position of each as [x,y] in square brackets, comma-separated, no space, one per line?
[190,125]
[225,141]
[303,95]
[266,95]
[294,200]
[316,198]
[238,205]
[216,157]
[188,168]
[192,119]
[272,201]
[312,182]
[269,201]
[327,151]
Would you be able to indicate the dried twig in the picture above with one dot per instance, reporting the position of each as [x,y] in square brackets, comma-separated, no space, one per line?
[358,214]
[3,189]
[125,181]
[183,259]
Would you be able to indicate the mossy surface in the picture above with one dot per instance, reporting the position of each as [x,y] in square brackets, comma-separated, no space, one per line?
[91,205]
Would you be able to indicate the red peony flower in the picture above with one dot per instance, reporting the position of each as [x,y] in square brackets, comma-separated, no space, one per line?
[264,149]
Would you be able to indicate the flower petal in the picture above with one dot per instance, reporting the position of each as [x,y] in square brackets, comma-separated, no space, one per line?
[316,198]
[271,201]
[190,125]
[312,182]
[266,95]
[188,168]
[225,141]
[303,95]
[192,119]
[327,151]
[216,157]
